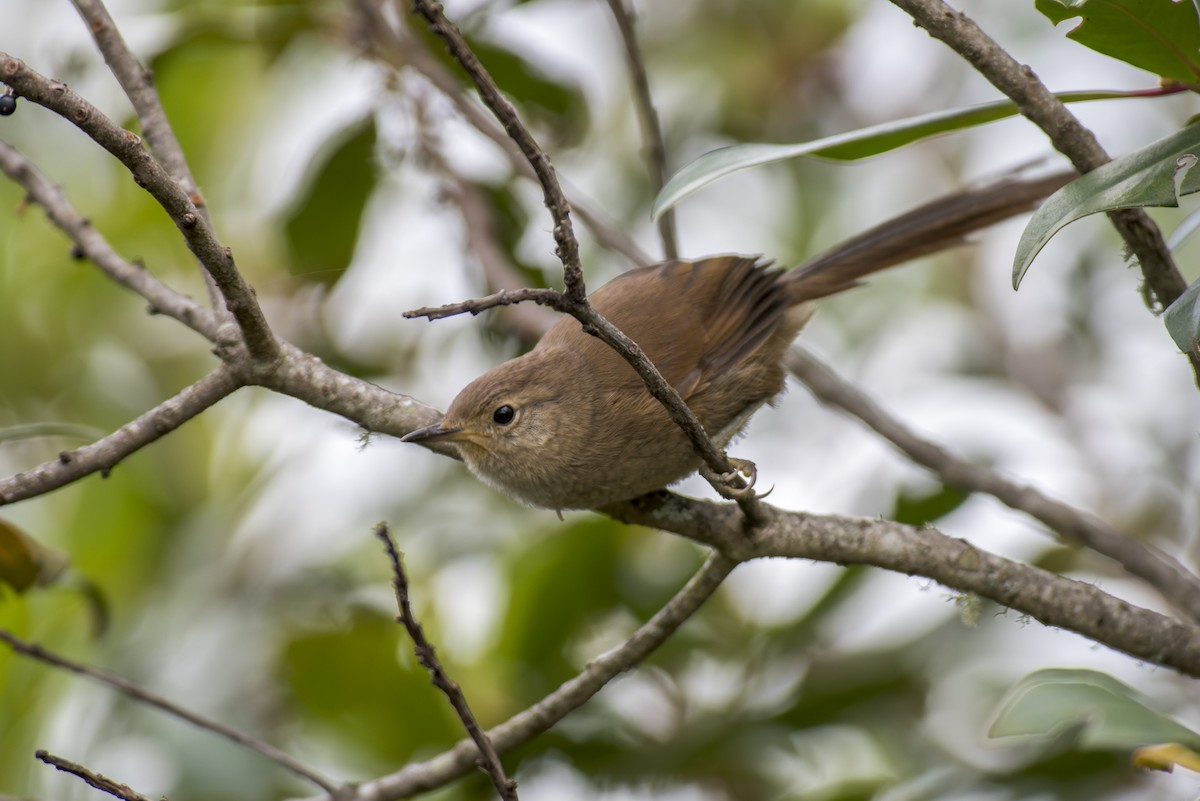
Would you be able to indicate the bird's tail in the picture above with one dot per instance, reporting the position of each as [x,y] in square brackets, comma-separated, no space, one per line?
[929,228]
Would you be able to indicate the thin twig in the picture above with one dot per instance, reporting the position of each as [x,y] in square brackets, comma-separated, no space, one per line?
[104,454]
[91,244]
[138,83]
[127,147]
[420,777]
[398,49]
[527,322]
[505,297]
[124,685]
[1068,135]
[656,150]
[494,99]
[99,781]
[1163,572]
[489,761]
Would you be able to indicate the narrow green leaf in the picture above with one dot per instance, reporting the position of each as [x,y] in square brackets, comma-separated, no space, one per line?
[1103,712]
[1156,175]
[849,146]
[1182,319]
[1160,36]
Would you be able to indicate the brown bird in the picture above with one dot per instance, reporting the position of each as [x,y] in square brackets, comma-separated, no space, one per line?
[570,425]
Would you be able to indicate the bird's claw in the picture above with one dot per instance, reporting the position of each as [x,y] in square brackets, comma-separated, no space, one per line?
[738,483]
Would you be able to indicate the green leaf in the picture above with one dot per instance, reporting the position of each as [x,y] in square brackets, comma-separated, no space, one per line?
[1182,319]
[1156,175]
[850,146]
[1161,36]
[323,227]
[1102,712]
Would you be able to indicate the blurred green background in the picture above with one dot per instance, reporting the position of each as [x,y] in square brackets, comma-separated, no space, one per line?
[231,566]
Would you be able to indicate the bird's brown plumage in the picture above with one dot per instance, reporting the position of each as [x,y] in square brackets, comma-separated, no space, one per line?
[580,430]
[586,431]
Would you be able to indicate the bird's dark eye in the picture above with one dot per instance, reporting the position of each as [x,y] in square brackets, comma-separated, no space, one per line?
[504,415]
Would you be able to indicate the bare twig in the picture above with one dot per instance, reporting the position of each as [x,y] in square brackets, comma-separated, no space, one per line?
[399,49]
[1164,573]
[151,176]
[103,455]
[527,322]
[124,685]
[574,693]
[92,244]
[100,782]
[505,297]
[656,151]
[489,760]
[1068,135]
[494,99]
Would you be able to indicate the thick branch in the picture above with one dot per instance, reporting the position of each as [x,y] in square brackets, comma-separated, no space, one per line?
[127,147]
[127,687]
[103,455]
[656,150]
[420,777]
[1038,104]
[92,244]
[955,563]
[305,377]
[1165,574]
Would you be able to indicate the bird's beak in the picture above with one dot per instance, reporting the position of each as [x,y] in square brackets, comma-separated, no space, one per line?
[433,433]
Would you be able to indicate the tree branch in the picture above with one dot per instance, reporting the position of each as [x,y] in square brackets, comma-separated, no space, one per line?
[103,455]
[489,760]
[99,781]
[655,149]
[127,147]
[955,563]
[91,244]
[127,687]
[1039,105]
[420,777]
[1164,573]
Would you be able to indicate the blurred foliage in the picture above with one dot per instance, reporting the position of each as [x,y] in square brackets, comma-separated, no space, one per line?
[323,229]
[233,558]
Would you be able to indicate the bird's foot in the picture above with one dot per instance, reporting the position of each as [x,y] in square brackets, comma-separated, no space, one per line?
[737,483]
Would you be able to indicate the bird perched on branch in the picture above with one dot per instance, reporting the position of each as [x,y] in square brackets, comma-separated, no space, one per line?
[571,425]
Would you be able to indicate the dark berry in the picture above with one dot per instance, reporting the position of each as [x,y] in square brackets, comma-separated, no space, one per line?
[8,104]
